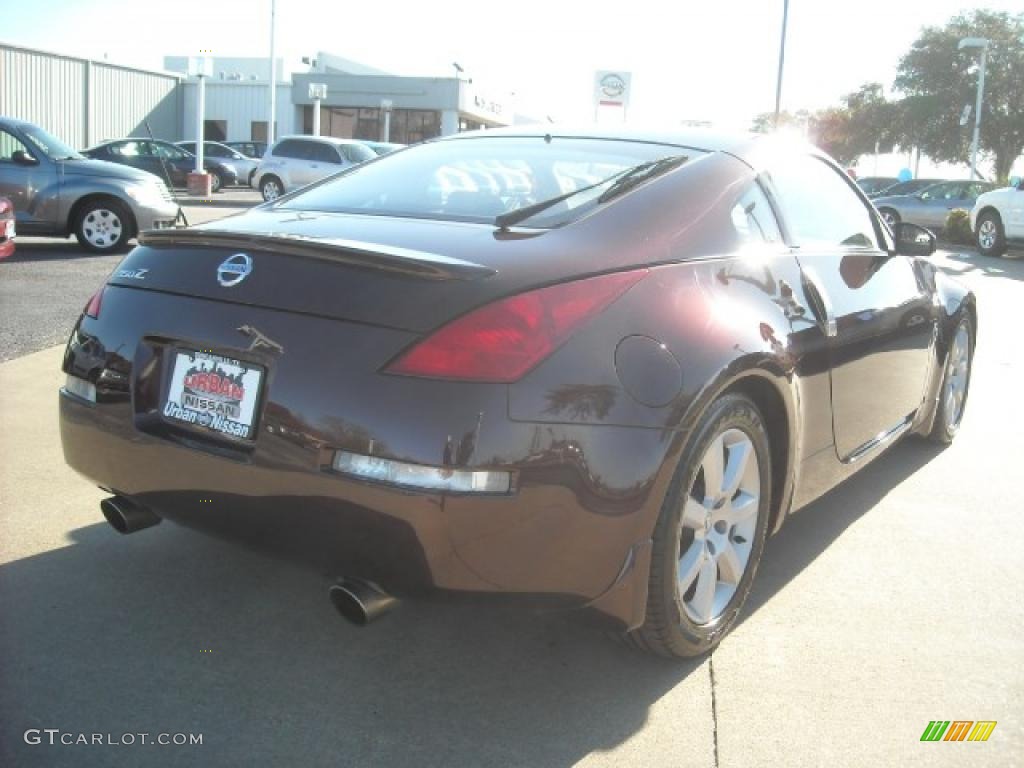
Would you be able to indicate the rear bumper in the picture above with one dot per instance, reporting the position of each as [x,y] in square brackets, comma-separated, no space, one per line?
[553,538]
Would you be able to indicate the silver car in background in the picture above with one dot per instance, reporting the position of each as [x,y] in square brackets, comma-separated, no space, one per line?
[244,167]
[58,192]
[930,207]
[295,161]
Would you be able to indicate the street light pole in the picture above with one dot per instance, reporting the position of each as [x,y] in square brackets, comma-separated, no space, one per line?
[782,61]
[273,74]
[982,43]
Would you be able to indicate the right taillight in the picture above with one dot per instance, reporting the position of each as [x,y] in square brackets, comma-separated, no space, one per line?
[92,309]
[500,342]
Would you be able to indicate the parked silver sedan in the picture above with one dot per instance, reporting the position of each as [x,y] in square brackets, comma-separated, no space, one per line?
[930,207]
[244,166]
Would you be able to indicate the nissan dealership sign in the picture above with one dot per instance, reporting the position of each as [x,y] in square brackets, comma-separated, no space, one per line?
[611,89]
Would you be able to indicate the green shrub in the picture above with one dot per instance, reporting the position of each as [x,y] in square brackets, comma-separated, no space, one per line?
[958,227]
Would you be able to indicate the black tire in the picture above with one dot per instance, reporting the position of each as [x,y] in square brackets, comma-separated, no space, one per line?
[668,630]
[948,415]
[891,217]
[104,225]
[267,186]
[996,239]
[217,182]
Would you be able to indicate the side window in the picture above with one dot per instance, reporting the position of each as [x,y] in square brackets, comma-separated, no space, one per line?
[753,218]
[215,150]
[130,149]
[291,149]
[323,153]
[820,207]
[9,144]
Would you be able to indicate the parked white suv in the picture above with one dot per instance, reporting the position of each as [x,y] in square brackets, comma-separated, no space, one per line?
[295,161]
[998,218]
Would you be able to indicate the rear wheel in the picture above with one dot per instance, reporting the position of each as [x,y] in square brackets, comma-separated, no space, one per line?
[990,237]
[956,380]
[710,533]
[271,188]
[104,226]
[890,217]
[216,182]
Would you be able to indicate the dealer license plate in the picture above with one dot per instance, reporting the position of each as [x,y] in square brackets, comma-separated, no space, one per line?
[213,392]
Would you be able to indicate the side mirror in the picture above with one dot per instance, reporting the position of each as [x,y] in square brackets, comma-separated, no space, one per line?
[912,240]
[21,157]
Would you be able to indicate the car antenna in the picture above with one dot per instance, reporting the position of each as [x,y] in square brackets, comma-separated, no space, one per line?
[170,186]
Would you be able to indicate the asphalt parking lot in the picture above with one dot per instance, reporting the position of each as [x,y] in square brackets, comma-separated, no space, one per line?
[894,600]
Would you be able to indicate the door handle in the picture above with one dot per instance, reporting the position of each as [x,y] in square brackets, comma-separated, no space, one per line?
[813,282]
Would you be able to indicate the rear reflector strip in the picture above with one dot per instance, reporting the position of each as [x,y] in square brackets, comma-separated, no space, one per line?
[420,476]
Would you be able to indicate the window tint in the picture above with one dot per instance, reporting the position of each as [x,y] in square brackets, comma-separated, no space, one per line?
[357,153]
[216,150]
[9,144]
[169,151]
[323,153]
[131,149]
[753,218]
[819,205]
[476,179]
[291,148]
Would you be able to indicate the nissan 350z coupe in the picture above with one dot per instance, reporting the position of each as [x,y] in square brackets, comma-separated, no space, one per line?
[593,371]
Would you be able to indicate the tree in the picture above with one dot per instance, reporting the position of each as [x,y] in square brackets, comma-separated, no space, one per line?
[938,80]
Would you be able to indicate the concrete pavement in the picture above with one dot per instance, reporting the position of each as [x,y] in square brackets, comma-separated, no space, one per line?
[895,600]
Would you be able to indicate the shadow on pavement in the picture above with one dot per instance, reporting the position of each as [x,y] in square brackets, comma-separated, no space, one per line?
[63,250]
[169,631]
[811,530]
[1010,265]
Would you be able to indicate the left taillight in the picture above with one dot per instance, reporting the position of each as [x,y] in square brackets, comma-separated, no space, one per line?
[502,341]
[92,309]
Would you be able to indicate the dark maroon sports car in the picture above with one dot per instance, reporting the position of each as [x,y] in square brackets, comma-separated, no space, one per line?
[585,369]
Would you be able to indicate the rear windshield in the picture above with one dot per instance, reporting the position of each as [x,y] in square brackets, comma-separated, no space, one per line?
[479,178]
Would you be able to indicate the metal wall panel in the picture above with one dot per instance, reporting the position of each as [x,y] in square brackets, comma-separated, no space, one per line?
[239,104]
[44,89]
[123,99]
[83,101]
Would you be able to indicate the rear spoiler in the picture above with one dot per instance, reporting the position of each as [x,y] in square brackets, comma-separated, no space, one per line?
[407,261]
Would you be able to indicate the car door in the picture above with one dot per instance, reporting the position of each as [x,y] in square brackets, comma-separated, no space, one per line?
[324,160]
[874,306]
[939,201]
[23,182]
[1015,212]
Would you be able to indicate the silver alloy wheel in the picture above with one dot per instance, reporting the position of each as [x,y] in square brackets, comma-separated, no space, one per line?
[719,522]
[215,183]
[987,234]
[102,228]
[957,374]
[271,190]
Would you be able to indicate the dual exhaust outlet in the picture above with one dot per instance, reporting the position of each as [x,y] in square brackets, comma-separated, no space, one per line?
[358,601]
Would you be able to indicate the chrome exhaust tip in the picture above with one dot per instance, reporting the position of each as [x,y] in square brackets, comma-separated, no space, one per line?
[126,516]
[360,601]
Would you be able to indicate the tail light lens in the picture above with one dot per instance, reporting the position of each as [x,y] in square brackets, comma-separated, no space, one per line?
[500,342]
[92,309]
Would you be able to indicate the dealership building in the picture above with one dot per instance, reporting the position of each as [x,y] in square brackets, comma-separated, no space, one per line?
[85,101]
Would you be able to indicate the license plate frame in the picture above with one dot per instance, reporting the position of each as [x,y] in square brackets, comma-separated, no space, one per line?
[214,394]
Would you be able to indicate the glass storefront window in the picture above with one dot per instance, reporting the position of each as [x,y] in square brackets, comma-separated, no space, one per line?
[408,126]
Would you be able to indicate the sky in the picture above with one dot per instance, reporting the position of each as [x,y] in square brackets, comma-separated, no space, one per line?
[714,60]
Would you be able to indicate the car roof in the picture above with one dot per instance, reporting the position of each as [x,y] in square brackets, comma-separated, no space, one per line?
[321,139]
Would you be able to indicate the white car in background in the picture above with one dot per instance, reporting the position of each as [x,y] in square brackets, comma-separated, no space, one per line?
[295,161]
[998,218]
